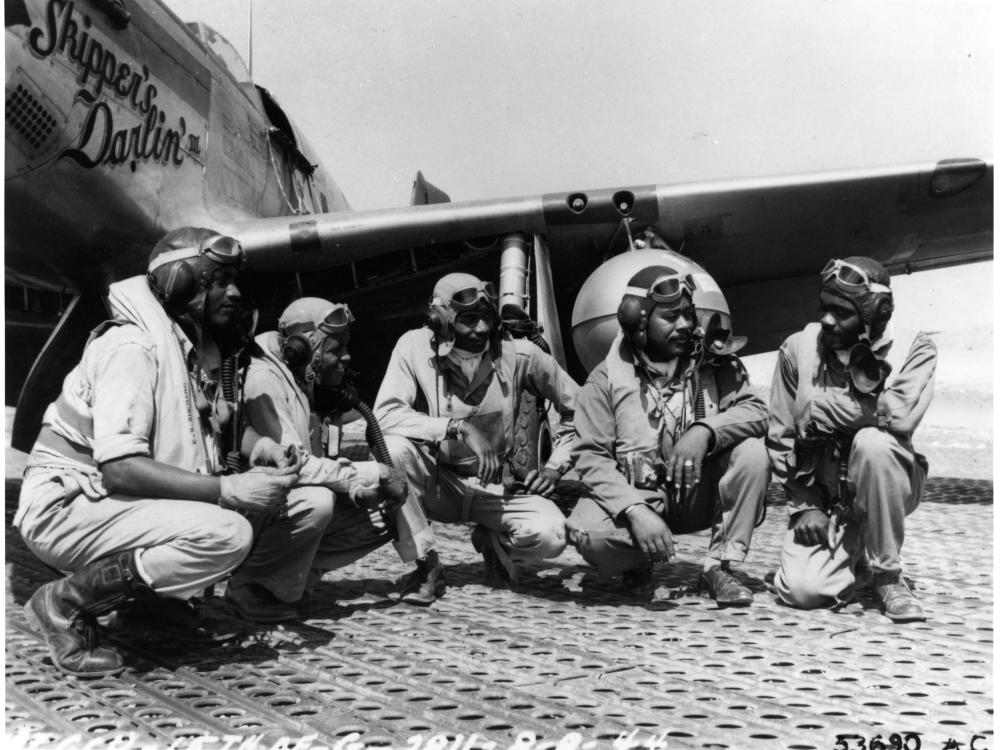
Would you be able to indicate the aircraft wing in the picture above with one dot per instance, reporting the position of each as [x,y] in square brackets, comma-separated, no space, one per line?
[912,216]
[759,237]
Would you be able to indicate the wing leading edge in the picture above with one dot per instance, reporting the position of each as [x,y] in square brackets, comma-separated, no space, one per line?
[743,231]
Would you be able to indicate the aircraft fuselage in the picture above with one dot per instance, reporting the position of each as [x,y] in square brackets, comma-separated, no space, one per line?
[121,129]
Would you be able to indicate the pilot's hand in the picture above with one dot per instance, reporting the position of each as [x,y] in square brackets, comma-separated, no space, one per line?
[651,533]
[684,466]
[541,482]
[260,490]
[266,452]
[810,528]
[489,464]
[389,494]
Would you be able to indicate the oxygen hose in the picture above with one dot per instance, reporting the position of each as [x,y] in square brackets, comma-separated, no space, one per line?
[376,442]
[699,395]
[228,376]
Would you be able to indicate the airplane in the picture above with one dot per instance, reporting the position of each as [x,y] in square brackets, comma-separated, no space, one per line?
[124,122]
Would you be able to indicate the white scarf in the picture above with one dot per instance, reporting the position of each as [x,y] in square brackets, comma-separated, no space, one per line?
[467,361]
[178,438]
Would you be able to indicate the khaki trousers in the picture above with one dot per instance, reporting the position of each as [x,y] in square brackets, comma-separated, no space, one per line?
[729,500]
[185,545]
[321,532]
[889,477]
[530,527]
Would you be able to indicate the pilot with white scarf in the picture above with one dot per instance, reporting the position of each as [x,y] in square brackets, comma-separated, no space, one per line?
[124,491]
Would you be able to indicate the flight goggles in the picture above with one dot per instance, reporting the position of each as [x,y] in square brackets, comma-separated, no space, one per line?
[218,248]
[470,297]
[665,290]
[334,322]
[849,278]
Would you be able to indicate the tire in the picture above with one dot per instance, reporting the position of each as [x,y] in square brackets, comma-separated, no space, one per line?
[532,437]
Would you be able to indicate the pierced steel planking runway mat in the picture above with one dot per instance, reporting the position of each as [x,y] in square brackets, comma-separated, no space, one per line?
[563,661]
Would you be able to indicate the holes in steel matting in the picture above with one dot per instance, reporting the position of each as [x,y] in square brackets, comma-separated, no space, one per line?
[227,713]
[342,697]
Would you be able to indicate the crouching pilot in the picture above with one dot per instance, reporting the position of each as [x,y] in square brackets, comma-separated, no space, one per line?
[668,442]
[123,490]
[840,440]
[447,405]
[289,386]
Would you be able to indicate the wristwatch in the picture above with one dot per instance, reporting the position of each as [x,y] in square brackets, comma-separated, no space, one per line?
[454,429]
[563,467]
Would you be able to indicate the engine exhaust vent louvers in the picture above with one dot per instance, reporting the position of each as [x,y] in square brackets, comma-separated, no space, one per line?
[29,118]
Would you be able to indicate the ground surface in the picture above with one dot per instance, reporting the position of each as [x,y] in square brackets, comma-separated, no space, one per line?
[562,654]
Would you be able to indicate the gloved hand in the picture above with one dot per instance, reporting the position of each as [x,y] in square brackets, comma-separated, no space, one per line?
[260,490]
[391,490]
[266,452]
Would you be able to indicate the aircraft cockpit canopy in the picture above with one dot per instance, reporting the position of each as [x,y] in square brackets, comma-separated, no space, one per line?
[221,48]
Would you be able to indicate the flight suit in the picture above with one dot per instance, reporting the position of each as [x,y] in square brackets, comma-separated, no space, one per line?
[132,394]
[322,530]
[810,397]
[422,392]
[620,422]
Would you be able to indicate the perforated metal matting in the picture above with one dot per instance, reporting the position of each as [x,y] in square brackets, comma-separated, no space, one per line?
[564,657]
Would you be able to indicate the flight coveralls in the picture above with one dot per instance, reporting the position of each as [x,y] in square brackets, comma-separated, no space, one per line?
[322,530]
[620,422]
[422,392]
[135,392]
[811,397]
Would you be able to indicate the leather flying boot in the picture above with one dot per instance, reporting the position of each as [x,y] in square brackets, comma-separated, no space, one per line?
[176,619]
[254,602]
[725,588]
[898,602]
[64,612]
[492,564]
[638,581]
[426,583]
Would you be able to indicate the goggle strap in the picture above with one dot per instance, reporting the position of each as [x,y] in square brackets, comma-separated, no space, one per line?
[485,291]
[205,248]
[636,291]
[171,256]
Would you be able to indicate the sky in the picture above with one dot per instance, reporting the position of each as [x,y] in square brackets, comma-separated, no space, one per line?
[504,98]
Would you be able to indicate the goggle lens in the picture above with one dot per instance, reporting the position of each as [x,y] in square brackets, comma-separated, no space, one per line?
[336,320]
[669,289]
[223,250]
[468,298]
[850,278]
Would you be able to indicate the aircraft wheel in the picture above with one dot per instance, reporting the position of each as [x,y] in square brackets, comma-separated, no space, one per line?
[532,437]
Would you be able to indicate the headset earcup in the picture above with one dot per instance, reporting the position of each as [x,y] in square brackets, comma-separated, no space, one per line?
[174,283]
[296,349]
[434,322]
[884,308]
[632,319]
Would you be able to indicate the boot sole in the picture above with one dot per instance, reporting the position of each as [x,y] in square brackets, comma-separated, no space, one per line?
[438,593]
[905,618]
[36,626]
[263,619]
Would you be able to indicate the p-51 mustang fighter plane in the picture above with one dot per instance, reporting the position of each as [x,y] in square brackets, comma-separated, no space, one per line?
[124,122]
